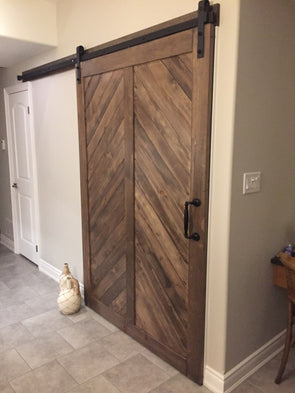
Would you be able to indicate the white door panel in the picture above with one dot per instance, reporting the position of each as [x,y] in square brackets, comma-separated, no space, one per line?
[26,218]
[22,172]
[21,139]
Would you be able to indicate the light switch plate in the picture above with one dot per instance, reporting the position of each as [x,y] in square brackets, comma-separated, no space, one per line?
[251,182]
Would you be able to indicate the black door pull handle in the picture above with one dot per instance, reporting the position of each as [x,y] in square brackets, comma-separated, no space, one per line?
[194,236]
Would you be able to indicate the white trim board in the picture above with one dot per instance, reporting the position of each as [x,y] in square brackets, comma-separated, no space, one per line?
[7,242]
[226,383]
[54,273]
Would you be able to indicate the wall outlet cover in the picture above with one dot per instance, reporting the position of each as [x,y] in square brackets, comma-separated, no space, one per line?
[251,182]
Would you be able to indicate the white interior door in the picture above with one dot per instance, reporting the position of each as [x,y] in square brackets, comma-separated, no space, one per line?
[22,173]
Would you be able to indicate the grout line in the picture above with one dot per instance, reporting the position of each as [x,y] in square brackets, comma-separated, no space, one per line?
[31,368]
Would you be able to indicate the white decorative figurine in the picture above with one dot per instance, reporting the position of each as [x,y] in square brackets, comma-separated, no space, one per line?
[69,299]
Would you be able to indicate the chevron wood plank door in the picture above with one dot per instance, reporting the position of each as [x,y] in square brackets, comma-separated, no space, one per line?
[144,128]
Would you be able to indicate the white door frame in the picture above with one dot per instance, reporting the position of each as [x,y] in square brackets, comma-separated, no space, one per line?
[27,86]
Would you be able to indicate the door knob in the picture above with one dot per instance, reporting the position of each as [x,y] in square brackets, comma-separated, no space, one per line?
[14,185]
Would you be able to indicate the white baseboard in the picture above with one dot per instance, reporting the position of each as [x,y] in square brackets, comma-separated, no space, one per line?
[54,273]
[225,383]
[213,380]
[49,270]
[7,242]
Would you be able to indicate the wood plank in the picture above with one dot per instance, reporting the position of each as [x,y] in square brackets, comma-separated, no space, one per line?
[201,135]
[180,69]
[173,45]
[105,311]
[129,194]
[162,176]
[103,105]
[106,138]
[84,185]
[165,353]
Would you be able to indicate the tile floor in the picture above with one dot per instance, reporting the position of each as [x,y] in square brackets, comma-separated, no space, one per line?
[44,351]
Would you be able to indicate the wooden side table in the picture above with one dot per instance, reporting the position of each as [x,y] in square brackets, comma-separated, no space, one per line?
[279,273]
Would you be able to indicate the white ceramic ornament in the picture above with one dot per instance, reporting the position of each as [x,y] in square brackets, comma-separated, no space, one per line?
[69,299]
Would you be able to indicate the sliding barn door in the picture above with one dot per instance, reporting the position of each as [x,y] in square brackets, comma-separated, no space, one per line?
[144,119]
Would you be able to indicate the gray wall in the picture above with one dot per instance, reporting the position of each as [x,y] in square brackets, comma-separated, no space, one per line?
[264,141]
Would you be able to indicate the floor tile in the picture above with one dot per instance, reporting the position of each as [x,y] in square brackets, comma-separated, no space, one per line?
[20,280]
[16,266]
[104,322]
[8,259]
[47,322]
[88,362]
[15,295]
[3,288]
[14,314]
[247,388]
[83,333]
[96,385]
[15,281]
[44,285]
[44,349]
[136,375]
[7,301]
[51,378]
[81,315]
[43,303]
[171,371]
[264,378]
[6,388]
[86,313]
[4,250]
[180,384]
[14,335]
[121,345]
[11,366]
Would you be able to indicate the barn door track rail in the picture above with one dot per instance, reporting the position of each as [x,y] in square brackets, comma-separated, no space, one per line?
[206,14]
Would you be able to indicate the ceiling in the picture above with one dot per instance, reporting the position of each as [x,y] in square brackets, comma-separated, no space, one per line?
[13,51]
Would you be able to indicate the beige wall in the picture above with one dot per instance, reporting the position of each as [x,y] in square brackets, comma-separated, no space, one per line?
[220,183]
[264,141]
[28,20]
[57,152]
[58,175]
